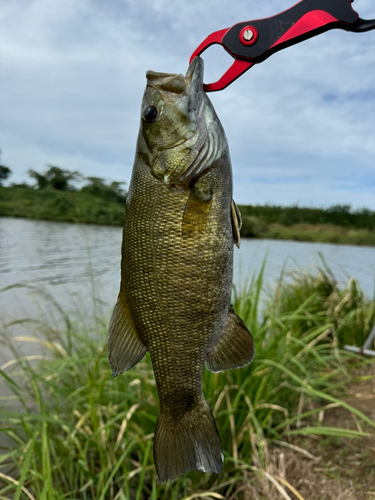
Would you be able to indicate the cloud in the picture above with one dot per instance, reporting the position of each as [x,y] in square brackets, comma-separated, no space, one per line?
[73,74]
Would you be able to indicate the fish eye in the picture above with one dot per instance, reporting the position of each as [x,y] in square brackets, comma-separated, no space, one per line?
[150,114]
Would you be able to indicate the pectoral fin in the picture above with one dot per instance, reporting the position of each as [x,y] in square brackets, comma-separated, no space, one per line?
[235,347]
[236,223]
[196,209]
[125,348]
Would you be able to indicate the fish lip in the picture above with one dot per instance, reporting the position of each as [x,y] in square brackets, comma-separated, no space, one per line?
[194,76]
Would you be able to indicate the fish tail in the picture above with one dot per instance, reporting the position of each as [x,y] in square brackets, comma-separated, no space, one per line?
[191,442]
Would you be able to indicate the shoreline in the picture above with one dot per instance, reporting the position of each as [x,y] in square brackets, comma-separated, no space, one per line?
[303,233]
[335,225]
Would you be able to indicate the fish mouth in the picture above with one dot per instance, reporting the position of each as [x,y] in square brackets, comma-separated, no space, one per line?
[194,143]
[202,144]
[192,83]
[166,82]
[207,141]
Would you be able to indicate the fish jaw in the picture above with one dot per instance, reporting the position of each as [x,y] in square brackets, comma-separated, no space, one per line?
[186,137]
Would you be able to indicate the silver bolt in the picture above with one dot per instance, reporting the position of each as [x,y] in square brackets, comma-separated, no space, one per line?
[248,35]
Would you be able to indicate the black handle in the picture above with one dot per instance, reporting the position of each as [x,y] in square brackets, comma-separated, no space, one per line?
[362,25]
[301,21]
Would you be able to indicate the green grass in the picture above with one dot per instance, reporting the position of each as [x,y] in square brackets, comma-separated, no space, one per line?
[324,233]
[336,215]
[60,206]
[337,224]
[253,227]
[75,433]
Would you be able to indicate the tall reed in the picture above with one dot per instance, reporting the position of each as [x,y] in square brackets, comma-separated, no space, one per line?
[75,433]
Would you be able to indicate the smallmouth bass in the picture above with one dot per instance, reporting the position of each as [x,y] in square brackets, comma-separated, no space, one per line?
[177,264]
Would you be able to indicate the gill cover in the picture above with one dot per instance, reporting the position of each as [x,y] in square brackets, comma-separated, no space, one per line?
[182,133]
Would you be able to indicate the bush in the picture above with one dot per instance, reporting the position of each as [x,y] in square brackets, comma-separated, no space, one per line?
[253,227]
[55,178]
[98,187]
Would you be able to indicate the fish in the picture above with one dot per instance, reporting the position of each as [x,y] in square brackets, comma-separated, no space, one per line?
[180,228]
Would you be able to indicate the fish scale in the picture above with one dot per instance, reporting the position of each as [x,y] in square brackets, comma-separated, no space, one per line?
[179,365]
[177,264]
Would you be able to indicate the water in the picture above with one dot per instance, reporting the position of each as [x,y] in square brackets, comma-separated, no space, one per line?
[73,262]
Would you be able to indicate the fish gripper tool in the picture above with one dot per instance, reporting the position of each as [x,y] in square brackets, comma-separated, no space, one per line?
[252,42]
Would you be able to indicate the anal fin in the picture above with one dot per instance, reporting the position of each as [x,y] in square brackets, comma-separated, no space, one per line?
[235,347]
[125,348]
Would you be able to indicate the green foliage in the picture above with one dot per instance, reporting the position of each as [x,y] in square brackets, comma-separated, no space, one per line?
[325,233]
[55,199]
[97,187]
[306,224]
[345,312]
[20,185]
[100,202]
[253,227]
[337,215]
[60,206]
[78,434]
[55,178]
[5,172]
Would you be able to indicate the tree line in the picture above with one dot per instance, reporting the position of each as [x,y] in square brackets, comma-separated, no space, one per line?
[60,179]
[336,215]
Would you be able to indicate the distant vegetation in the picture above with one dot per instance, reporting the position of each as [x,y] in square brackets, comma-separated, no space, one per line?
[337,224]
[67,196]
[336,215]
[55,196]
[4,171]
[55,178]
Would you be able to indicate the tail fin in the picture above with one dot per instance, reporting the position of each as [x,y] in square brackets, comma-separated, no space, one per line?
[189,443]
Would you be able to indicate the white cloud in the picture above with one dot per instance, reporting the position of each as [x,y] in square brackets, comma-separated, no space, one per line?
[72,78]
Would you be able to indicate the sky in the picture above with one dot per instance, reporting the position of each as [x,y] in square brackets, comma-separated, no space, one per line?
[300,126]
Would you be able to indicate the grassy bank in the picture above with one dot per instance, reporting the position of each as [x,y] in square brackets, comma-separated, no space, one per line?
[99,204]
[323,233]
[78,434]
[336,215]
[61,206]
[333,225]
[336,224]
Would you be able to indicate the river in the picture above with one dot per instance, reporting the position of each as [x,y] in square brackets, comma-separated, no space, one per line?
[71,260]
[75,262]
